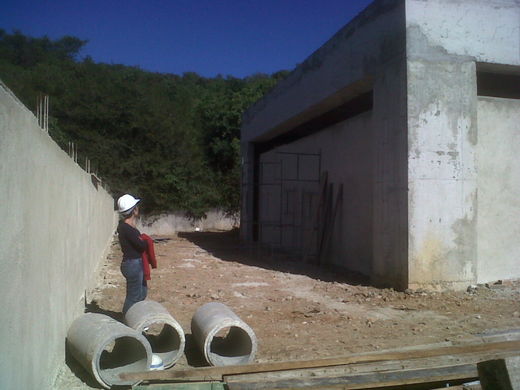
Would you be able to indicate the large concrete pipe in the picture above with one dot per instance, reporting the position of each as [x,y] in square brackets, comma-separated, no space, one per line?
[224,338]
[106,348]
[164,333]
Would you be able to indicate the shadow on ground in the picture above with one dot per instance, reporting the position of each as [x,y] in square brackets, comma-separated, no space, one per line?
[193,354]
[93,307]
[78,370]
[228,247]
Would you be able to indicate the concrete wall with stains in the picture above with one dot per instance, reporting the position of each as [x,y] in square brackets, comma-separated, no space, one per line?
[420,58]
[350,222]
[445,39]
[56,225]
[498,227]
[484,30]
[367,54]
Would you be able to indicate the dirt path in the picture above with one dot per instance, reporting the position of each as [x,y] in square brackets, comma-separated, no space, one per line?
[299,311]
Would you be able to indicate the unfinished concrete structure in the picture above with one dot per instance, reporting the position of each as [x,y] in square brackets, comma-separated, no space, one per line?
[390,151]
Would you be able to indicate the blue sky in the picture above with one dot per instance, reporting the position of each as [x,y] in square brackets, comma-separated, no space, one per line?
[210,37]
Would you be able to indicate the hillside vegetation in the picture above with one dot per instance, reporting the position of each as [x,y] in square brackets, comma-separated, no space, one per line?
[171,139]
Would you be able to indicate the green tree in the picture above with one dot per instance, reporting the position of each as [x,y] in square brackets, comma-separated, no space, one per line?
[171,139]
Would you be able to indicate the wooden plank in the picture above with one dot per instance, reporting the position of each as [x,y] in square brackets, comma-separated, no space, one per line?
[217,373]
[363,368]
[461,387]
[322,205]
[316,222]
[325,225]
[500,335]
[184,386]
[370,380]
[331,222]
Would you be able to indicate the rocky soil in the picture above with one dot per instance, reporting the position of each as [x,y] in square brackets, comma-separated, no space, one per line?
[297,311]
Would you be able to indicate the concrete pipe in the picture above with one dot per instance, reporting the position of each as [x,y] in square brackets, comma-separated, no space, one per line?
[106,348]
[224,338]
[164,333]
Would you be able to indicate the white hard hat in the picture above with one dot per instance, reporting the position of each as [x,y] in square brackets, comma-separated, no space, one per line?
[126,203]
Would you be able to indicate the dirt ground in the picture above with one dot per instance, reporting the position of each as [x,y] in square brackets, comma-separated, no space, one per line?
[297,311]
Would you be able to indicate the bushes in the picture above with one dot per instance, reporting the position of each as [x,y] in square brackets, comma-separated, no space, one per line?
[171,139]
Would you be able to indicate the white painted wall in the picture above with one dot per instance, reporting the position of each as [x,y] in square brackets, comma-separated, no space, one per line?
[55,229]
[498,189]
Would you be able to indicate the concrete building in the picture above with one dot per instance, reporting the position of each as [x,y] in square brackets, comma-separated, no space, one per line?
[392,150]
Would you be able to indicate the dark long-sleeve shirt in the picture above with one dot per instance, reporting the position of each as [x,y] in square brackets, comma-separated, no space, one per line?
[131,244]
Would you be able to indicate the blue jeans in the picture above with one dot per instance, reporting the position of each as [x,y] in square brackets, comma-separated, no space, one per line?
[136,290]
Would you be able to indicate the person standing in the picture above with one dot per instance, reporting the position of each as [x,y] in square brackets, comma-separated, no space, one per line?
[133,247]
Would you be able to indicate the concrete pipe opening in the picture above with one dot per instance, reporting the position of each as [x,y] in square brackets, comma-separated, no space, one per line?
[162,331]
[123,354]
[107,348]
[230,346]
[224,338]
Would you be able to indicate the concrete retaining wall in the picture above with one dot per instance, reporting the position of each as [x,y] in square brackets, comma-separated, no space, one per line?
[173,223]
[56,226]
